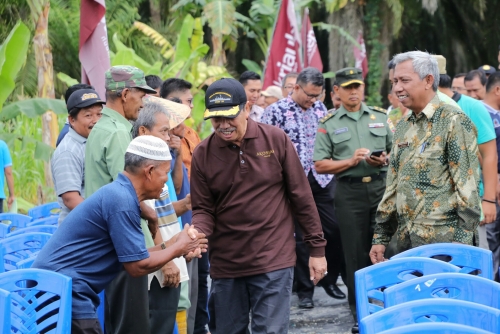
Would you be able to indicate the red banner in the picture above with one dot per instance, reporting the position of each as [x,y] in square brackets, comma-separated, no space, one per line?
[311,52]
[360,55]
[284,52]
[94,49]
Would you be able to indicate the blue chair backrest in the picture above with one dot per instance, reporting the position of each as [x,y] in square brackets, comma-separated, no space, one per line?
[16,221]
[432,310]
[100,311]
[45,210]
[454,286]
[436,328]
[372,280]
[40,301]
[37,228]
[4,311]
[16,249]
[471,259]
[52,220]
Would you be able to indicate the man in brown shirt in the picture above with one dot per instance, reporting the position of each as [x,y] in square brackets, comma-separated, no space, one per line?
[246,183]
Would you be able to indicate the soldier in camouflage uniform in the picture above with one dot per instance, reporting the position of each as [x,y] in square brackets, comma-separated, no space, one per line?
[344,143]
[432,182]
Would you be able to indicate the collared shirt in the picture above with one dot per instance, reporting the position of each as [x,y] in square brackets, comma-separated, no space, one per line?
[243,198]
[94,241]
[184,191]
[189,142]
[68,168]
[105,150]
[5,161]
[301,127]
[256,113]
[105,155]
[433,176]
[495,117]
[340,134]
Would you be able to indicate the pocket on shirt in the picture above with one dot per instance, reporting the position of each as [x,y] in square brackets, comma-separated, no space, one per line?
[379,137]
[341,144]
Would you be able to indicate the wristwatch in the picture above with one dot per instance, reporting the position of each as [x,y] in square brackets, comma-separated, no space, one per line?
[163,245]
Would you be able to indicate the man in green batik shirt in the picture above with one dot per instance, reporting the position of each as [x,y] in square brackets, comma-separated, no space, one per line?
[432,181]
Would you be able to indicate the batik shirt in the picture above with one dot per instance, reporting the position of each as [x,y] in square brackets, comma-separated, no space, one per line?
[301,127]
[432,182]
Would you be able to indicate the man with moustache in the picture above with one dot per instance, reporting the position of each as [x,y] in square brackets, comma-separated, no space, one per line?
[353,143]
[247,180]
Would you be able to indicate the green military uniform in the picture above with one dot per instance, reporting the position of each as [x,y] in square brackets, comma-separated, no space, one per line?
[360,188]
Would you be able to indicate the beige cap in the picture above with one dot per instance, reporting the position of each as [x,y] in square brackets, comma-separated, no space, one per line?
[441,63]
[273,91]
[176,112]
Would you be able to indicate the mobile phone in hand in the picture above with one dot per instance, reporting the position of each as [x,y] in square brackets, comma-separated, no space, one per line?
[376,153]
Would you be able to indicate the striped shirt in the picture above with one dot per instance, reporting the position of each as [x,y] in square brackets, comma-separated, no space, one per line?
[68,168]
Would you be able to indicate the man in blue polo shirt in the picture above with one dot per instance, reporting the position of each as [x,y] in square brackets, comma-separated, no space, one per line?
[99,237]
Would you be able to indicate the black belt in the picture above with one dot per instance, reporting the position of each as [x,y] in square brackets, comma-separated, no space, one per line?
[365,179]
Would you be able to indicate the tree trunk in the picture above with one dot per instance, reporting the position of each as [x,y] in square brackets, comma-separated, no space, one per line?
[154,8]
[44,63]
[350,19]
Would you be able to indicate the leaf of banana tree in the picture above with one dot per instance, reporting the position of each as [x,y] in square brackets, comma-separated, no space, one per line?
[199,52]
[69,81]
[167,49]
[33,108]
[182,47]
[43,151]
[127,56]
[197,38]
[252,66]
[199,106]
[13,53]
[171,70]
[220,16]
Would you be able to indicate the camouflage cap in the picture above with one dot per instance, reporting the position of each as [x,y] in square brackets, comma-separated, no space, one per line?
[348,76]
[124,76]
[441,63]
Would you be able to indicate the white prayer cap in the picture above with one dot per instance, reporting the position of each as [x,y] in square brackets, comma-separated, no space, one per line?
[150,147]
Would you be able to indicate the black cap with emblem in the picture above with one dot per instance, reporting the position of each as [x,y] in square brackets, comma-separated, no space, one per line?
[349,75]
[224,98]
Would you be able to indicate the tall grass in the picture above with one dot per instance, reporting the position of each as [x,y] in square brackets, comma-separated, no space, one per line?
[29,177]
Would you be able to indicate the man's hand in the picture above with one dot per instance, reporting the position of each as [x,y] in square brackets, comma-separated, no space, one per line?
[377,254]
[359,155]
[175,143]
[190,240]
[10,200]
[187,200]
[317,268]
[171,275]
[490,213]
[377,161]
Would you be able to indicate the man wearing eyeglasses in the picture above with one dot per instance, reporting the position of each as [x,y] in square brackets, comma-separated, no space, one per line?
[352,143]
[298,115]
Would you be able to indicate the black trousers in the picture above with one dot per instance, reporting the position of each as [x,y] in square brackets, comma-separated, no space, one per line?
[493,236]
[201,319]
[127,305]
[324,199]
[163,302]
[85,326]
[266,295]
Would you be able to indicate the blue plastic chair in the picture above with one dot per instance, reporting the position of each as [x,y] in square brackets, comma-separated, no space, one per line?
[16,250]
[4,311]
[371,281]
[16,221]
[40,301]
[100,311]
[436,328]
[37,228]
[176,329]
[454,286]
[45,210]
[469,258]
[432,310]
[52,220]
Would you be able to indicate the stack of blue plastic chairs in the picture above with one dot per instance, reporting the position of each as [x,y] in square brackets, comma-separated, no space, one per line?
[438,288]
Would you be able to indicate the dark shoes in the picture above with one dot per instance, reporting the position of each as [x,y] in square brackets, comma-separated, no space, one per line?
[306,303]
[333,291]
[355,328]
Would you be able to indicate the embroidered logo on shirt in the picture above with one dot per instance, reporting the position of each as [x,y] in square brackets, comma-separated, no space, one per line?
[372,116]
[341,130]
[265,154]
[376,125]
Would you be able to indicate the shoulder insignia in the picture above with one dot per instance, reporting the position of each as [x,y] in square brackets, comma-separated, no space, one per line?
[382,110]
[328,116]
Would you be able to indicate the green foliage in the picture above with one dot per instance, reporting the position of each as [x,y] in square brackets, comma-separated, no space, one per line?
[33,108]
[12,57]
[252,66]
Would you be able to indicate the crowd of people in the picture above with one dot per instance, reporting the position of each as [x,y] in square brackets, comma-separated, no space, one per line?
[284,195]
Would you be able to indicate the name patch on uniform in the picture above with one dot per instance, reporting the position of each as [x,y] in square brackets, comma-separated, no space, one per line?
[376,125]
[265,154]
[321,130]
[341,130]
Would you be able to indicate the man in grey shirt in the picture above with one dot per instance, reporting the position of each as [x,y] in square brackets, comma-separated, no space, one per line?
[68,162]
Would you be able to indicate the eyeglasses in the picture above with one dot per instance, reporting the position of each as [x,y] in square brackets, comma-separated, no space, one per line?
[310,96]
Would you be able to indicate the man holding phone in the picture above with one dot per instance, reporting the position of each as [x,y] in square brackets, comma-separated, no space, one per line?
[353,143]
